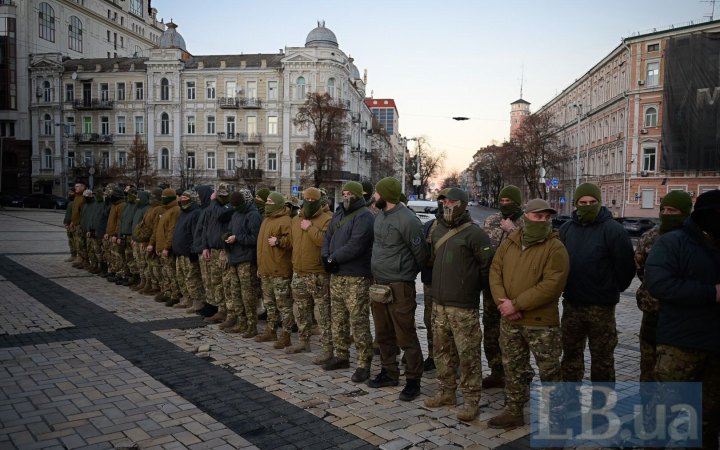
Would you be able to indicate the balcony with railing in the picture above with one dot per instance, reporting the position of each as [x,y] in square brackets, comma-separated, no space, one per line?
[250,174]
[95,103]
[251,103]
[251,138]
[227,174]
[340,175]
[228,102]
[229,138]
[93,138]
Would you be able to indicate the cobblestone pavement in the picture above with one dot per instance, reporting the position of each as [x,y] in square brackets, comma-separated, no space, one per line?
[88,364]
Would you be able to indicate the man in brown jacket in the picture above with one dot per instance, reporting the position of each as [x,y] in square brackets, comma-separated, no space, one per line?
[161,244]
[310,282]
[527,276]
[146,228]
[117,254]
[274,258]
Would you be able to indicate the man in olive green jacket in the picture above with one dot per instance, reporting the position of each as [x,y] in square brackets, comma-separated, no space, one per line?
[527,276]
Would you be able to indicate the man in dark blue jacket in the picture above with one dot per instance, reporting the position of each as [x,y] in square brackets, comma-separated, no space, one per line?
[602,265]
[213,250]
[204,194]
[683,273]
[187,267]
[346,252]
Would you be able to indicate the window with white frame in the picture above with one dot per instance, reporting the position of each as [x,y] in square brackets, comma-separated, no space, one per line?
[47,159]
[88,158]
[230,160]
[209,90]
[136,7]
[251,160]
[164,159]
[210,160]
[139,125]
[105,125]
[272,90]
[190,90]
[47,125]
[251,89]
[649,159]
[121,125]
[70,160]
[164,89]
[299,164]
[139,90]
[331,87]
[120,92]
[47,92]
[190,160]
[272,125]
[105,160]
[46,17]
[300,88]
[230,88]
[653,73]
[230,126]
[69,92]
[164,123]
[104,92]
[191,125]
[122,158]
[651,117]
[251,125]
[210,125]
[272,162]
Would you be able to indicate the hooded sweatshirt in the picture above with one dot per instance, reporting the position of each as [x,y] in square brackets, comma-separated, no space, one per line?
[349,243]
[204,193]
[142,207]
[163,237]
[214,227]
[126,219]
[182,238]
[245,226]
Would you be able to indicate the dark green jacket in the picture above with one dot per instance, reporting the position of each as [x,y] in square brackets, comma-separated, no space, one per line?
[126,219]
[399,250]
[68,211]
[90,216]
[143,206]
[461,265]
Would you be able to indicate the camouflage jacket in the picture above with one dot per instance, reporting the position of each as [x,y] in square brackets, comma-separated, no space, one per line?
[493,230]
[645,301]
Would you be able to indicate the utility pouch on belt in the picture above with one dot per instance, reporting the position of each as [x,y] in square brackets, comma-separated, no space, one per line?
[380,293]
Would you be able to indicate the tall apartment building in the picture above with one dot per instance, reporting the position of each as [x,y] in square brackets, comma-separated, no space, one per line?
[385,111]
[204,118]
[643,121]
[71,29]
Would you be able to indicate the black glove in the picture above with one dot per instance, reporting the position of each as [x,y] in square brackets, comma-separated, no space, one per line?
[331,266]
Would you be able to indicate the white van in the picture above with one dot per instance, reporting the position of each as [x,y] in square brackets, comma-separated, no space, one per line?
[424,209]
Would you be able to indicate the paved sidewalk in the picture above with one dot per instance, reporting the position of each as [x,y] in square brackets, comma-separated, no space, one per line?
[88,364]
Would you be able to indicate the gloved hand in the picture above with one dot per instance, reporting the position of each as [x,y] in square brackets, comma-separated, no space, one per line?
[331,266]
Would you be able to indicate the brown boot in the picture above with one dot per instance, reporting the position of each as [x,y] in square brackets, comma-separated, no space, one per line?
[507,421]
[283,342]
[138,286]
[250,332]
[494,380]
[469,410]
[302,346]
[442,398]
[322,358]
[161,298]
[185,303]
[240,327]
[229,322]
[197,305]
[268,335]
[217,318]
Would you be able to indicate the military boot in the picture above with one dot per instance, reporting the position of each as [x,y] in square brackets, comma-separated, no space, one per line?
[469,410]
[147,290]
[240,327]
[283,342]
[494,380]
[507,420]
[95,270]
[185,303]
[302,346]
[442,398]
[216,318]
[103,270]
[196,306]
[250,332]
[161,298]
[140,286]
[322,358]
[230,321]
[269,335]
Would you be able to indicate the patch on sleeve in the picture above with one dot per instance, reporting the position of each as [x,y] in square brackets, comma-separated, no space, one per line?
[417,240]
[486,249]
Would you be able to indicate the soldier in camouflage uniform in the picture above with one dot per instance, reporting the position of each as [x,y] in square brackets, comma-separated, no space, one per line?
[460,272]
[94,240]
[161,243]
[139,254]
[498,227]
[78,235]
[683,273]
[125,237]
[117,254]
[146,228]
[310,282]
[187,268]
[527,276]
[214,252]
[274,257]
[675,207]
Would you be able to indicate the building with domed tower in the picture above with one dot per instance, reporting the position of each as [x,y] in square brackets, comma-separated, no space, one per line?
[207,118]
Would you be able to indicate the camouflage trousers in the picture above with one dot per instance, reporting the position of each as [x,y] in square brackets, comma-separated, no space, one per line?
[216,268]
[278,300]
[129,258]
[187,273]
[169,284]
[350,307]
[94,251]
[458,343]
[79,238]
[491,330]
[427,318]
[306,289]
[681,364]
[155,269]
[138,256]
[593,325]
[648,351]
[106,253]
[118,259]
[516,342]
[205,277]
[71,242]
[240,293]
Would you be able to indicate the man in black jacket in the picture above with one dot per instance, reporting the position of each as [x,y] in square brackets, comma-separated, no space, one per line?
[683,273]
[187,267]
[601,267]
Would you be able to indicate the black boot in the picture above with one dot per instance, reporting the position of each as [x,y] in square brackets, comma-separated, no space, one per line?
[411,391]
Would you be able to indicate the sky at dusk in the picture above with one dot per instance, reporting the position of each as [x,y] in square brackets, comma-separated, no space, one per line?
[440,59]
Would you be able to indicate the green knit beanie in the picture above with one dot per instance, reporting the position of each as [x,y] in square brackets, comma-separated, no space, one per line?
[587,189]
[511,192]
[389,189]
[354,187]
[263,193]
[278,202]
[678,199]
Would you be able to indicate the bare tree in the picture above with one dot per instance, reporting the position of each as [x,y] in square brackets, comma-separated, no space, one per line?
[381,163]
[426,162]
[327,119]
[452,179]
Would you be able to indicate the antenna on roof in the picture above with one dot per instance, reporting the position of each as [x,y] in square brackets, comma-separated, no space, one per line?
[522,79]
[712,10]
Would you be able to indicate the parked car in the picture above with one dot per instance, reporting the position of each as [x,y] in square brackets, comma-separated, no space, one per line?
[424,209]
[14,200]
[636,226]
[472,203]
[559,220]
[44,201]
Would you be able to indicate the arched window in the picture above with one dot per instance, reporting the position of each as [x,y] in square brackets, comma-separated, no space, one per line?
[46,18]
[300,88]
[47,159]
[164,123]
[164,89]
[47,125]
[299,164]
[47,92]
[164,159]
[75,41]
[331,87]
[651,117]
